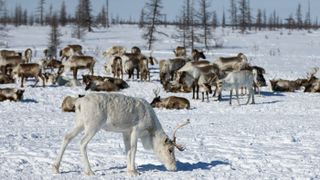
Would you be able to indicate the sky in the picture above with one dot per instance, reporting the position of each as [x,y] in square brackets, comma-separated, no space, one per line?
[132,8]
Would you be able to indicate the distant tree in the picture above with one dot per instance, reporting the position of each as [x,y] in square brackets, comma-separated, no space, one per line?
[40,10]
[299,17]
[233,14]
[102,17]
[204,18]
[307,22]
[31,20]
[223,21]
[258,24]
[83,14]
[141,20]
[264,18]
[54,36]
[63,14]
[17,15]
[25,17]
[153,18]
[215,21]
[243,15]
[107,13]
[49,15]
[249,18]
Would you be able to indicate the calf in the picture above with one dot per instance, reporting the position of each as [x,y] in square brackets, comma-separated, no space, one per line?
[172,102]
[29,70]
[11,94]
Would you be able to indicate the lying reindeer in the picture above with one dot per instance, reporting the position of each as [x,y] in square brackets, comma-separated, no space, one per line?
[172,102]
[68,103]
[11,94]
[119,82]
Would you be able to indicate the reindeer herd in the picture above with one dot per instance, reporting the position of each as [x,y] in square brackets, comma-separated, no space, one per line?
[131,116]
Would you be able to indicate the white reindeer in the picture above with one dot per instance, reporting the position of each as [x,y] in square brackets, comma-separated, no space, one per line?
[133,117]
[236,80]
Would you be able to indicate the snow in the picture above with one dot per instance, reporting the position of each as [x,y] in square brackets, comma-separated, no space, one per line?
[277,138]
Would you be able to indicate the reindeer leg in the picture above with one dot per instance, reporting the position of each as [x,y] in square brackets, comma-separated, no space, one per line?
[67,138]
[202,96]
[237,95]
[193,91]
[132,153]
[207,96]
[197,88]
[22,78]
[89,133]
[75,72]
[230,96]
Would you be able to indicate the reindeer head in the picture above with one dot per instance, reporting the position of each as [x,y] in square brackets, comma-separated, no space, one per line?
[166,153]
[156,102]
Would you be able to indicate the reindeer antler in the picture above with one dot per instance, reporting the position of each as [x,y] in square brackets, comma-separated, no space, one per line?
[179,146]
[156,91]
[312,72]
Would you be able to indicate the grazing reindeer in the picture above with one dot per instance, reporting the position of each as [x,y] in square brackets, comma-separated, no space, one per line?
[236,80]
[114,51]
[11,94]
[98,111]
[117,67]
[29,70]
[171,102]
[77,62]
[180,51]
[196,55]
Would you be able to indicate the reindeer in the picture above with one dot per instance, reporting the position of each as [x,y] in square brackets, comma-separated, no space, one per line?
[77,62]
[6,79]
[174,86]
[105,111]
[105,85]
[29,70]
[169,67]
[119,82]
[27,55]
[7,63]
[135,50]
[131,64]
[229,63]
[196,55]
[144,69]
[68,103]
[117,67]
[5,53]
[70,50]
[171,102]
[11,94]
[236,80]
[180,51]
[114,51]
[311,83]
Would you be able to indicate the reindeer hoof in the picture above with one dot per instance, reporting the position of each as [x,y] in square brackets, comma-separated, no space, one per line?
[133,173]
[55,169]
[89,173]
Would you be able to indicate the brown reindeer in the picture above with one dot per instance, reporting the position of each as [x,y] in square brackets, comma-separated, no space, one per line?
[77,62]
[116,67]
[172,102]
[135,50]
[11,94]
[144,69]
[68,103]
[70,50]
[119,82]
[29,70]
[196,55]
[180,51]
[6,79]
[7,63]
[105,85]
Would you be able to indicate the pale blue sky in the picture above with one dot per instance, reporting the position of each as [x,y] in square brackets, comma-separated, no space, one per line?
[132,8]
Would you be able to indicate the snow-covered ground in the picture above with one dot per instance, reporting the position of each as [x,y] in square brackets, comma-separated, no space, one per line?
[277,138]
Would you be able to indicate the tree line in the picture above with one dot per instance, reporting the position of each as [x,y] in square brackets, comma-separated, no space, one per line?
[196,21]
